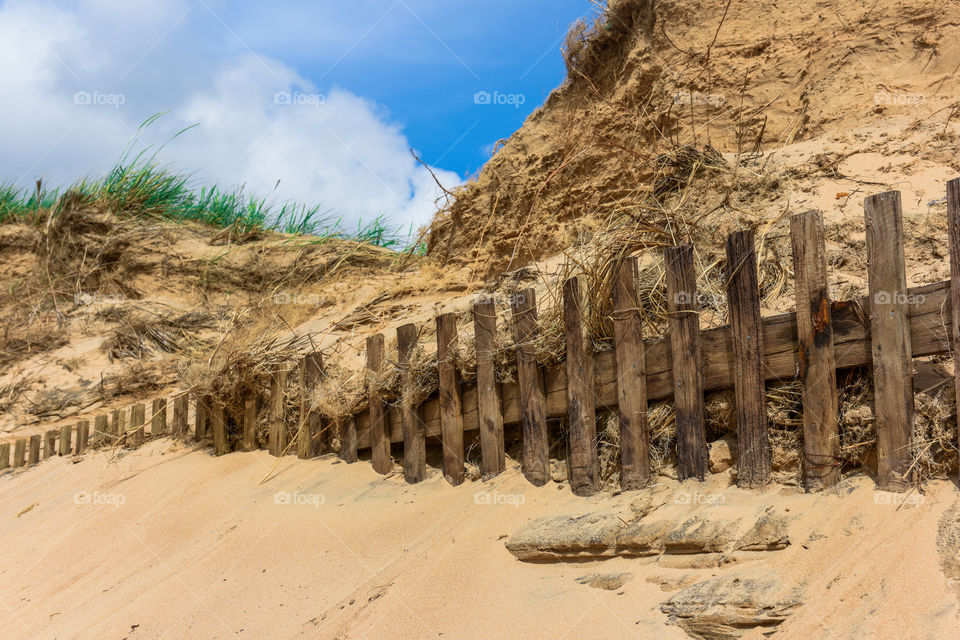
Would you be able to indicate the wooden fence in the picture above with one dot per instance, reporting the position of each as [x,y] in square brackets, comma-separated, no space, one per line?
[884,330]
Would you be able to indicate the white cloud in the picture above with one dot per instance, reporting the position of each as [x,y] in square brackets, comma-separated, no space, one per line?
[325,145]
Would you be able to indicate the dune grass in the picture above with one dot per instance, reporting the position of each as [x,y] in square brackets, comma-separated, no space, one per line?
[138,186]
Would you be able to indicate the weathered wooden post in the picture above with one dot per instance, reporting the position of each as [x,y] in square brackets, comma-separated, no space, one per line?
[953,233]
[746,336]
[181,407]
[100,430]
[118,425]
[348,440]
[158,417]
[311,368]
[631,378]
[218,424]
[451,407]
[533,403]
[685,350]
[818,367]
[66,434]
[581,399]
[489,409]
[414,439]
[19,453]
[4,456]
[34,449]
[49,443]
[138,420]
[379,416]
[250,414]
[278,405]
[83,436]
[890,337]
[202,418]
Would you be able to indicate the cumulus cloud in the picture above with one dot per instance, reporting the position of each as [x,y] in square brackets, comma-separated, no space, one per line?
[76,82]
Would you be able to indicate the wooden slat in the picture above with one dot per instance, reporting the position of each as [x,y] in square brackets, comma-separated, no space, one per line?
[890,337]
[821,430]
[414,444]
[250,424]
[100,431]
[348,440]
[19,453]
[581,405]
[49,443]
[311,367]
[683,323]
[117,424]
[4,456]
[743,297]
[953,233]
[137,429]
[930,319]
[83,437]
[379,417]
[218,424]
[34,456]
[158,417]
[451,411]
[533,409]
[492,459]
[181,408]
[631,380]
[202,418]
[66,433]
[278,401]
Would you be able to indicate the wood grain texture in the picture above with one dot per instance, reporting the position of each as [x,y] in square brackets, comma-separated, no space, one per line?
[818,367]
[118,424]
[379,417]
[138,419]
[746,328]
[181,408]
[535,461]
[489,412]
[158,417]
[83,437]
[348,440]
[581,403]
[890,339]
[411,420]
[451,411]
[218,425]
[100,431]
[631,379]
[66,440]
[5,455]
[19,453]
[202,418]
[953,233]
[683,324]
[34,454]
[50,443]
[250,418]
[311,370]
[278,410]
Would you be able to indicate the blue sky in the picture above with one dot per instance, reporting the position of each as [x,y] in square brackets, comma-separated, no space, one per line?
[307,101]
